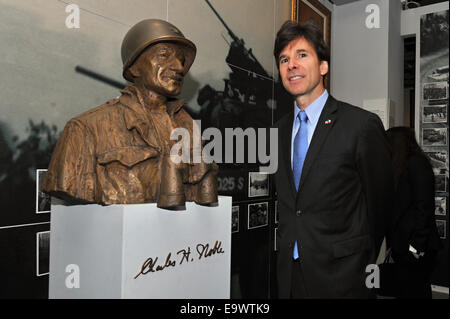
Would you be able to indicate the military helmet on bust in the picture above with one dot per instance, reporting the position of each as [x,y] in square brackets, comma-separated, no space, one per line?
[149,32]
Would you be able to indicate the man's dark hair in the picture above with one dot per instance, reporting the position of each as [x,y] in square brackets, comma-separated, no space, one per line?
[292,30]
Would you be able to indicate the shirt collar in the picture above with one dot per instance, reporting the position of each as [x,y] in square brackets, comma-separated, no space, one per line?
[314,109]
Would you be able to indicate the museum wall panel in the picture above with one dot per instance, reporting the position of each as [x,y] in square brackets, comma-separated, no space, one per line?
[432,119]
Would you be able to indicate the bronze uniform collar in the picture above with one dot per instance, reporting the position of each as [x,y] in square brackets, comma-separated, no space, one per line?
[132,98]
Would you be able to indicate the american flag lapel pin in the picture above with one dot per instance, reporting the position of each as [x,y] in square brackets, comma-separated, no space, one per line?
[328,122]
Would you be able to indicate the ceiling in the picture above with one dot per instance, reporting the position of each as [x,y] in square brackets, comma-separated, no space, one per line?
[422,3]
[428,2]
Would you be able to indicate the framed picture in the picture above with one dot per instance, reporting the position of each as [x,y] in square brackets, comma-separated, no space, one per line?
[441,227]
[235,219]
[440,183]
[258,215]
[436,136]
[440,206]
[434,91]
[312,10]
[439,162]
[434,114]
[258,184]
[43,200]
[42,253]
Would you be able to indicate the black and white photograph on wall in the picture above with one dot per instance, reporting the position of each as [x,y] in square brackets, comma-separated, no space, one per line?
[441,227]
[43,200]
[435,91]
[258,184]
[434,114]
[440,182]
[432,82]
[42,253]
[439,162]
[235,219]
[434,136]
[440,206]
[258,215]
[276,212]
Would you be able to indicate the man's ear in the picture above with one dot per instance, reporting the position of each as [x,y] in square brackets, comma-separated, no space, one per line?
[133,70]
[323,68]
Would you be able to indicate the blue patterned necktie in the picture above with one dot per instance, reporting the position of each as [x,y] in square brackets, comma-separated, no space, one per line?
[300,149]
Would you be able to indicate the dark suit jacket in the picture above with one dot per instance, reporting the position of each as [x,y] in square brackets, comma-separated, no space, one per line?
[414,222]
[338,216]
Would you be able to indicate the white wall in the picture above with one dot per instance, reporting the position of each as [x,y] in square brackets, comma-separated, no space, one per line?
[359,56]
[367,64]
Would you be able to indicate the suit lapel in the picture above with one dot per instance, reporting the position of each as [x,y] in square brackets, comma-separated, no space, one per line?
[325,123]
[286,135]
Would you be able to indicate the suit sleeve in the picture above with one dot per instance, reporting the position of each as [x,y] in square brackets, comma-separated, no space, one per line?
[375,170]
[422,184]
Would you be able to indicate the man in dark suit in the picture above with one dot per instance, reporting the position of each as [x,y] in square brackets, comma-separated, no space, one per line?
[334,178]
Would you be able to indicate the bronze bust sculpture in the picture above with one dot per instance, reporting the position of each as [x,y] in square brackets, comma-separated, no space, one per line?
[119,152]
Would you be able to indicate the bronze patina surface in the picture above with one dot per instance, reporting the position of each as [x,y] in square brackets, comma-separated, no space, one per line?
[119,152]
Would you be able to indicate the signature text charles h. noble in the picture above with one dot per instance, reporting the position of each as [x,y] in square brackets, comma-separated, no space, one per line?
[153,264]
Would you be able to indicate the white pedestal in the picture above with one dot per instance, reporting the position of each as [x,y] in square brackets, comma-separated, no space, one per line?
[140,251]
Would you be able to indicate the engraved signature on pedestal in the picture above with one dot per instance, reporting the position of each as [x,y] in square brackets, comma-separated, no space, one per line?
[205,251]
[151,264]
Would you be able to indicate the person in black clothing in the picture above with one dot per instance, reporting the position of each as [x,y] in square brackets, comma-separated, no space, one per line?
[413,236]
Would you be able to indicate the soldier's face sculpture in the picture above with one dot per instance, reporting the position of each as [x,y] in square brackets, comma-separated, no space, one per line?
[160,68]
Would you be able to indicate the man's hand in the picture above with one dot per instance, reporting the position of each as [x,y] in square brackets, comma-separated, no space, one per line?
[415,253]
